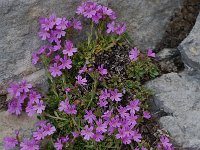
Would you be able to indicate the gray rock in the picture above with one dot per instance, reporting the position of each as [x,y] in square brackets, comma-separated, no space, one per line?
[19,26]
[178,95]
[169,60]
[147,20]
[10,123]
[190,47]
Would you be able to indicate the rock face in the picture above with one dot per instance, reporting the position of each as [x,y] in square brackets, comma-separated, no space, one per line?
[10,123]
[178,95]
[19,26]
[147,20]
[190,47]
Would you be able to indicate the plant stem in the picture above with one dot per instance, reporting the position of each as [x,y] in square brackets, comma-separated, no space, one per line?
[59,118]
[93,93]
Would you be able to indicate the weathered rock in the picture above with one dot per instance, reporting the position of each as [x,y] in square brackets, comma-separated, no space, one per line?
[190,47]
[178,95]
[147,20]
[169,60]
[19,26]
[10,123]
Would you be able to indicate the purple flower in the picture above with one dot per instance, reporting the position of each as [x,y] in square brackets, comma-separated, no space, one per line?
[131,120]
[25,86]
[126,140]
[102,71]
[101,127]
[63,24]
[39,134]
[107,11]
[35,58]
[34,96]
[87,132]
[55,70]
[89,116]
[9,142]
[59,34]
[165,142]
[133,55]
[69,49]
[14,90]
[111,27]
[134,106]
[98,137]
[81,80]
[44,34]
[48,129]
[77,24]
[39,107]
[121,28]
[83,69]
[66,63]
[29,145]
[65,139]
[115,122]
[136,136]
[104,94]
[15,107]
[71,110]
[30,110]
[75,134]
[107,115]
[123,112]
[115,96]
[146,115]
[102,103]
[63,105]
[58,145]
[150,53]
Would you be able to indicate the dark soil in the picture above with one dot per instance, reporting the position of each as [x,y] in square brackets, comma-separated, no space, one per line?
[180,25]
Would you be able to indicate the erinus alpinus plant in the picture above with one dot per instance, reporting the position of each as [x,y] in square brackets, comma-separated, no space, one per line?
[86,107]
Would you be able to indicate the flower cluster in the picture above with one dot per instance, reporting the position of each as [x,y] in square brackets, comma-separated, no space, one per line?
[99,13]
[134,54]
[19,94]
[43,130]
[85,104]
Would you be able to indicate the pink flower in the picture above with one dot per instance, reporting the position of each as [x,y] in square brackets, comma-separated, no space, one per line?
[77,24]
[39,107]
[101,127]
[133,55]
[69,49]
[102,71]
[165,142]
[89,117]
[123,112]
[136,136]
[98,137]
[121,28]
[150,53]
[9,142]
[115,95]
[35,58]
[55,70]
[146,115]
[66,63]
[81,80]
[58,145]
[133,106]
[25,86]
[29,145]
[111,27]
[87,132]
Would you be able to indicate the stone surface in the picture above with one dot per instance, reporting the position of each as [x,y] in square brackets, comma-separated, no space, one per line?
[178,95]
[190,47]
[10,123]
[19,26]
[147,20]
[169,60]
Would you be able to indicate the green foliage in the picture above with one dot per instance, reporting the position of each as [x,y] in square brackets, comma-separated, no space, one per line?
[142,69]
